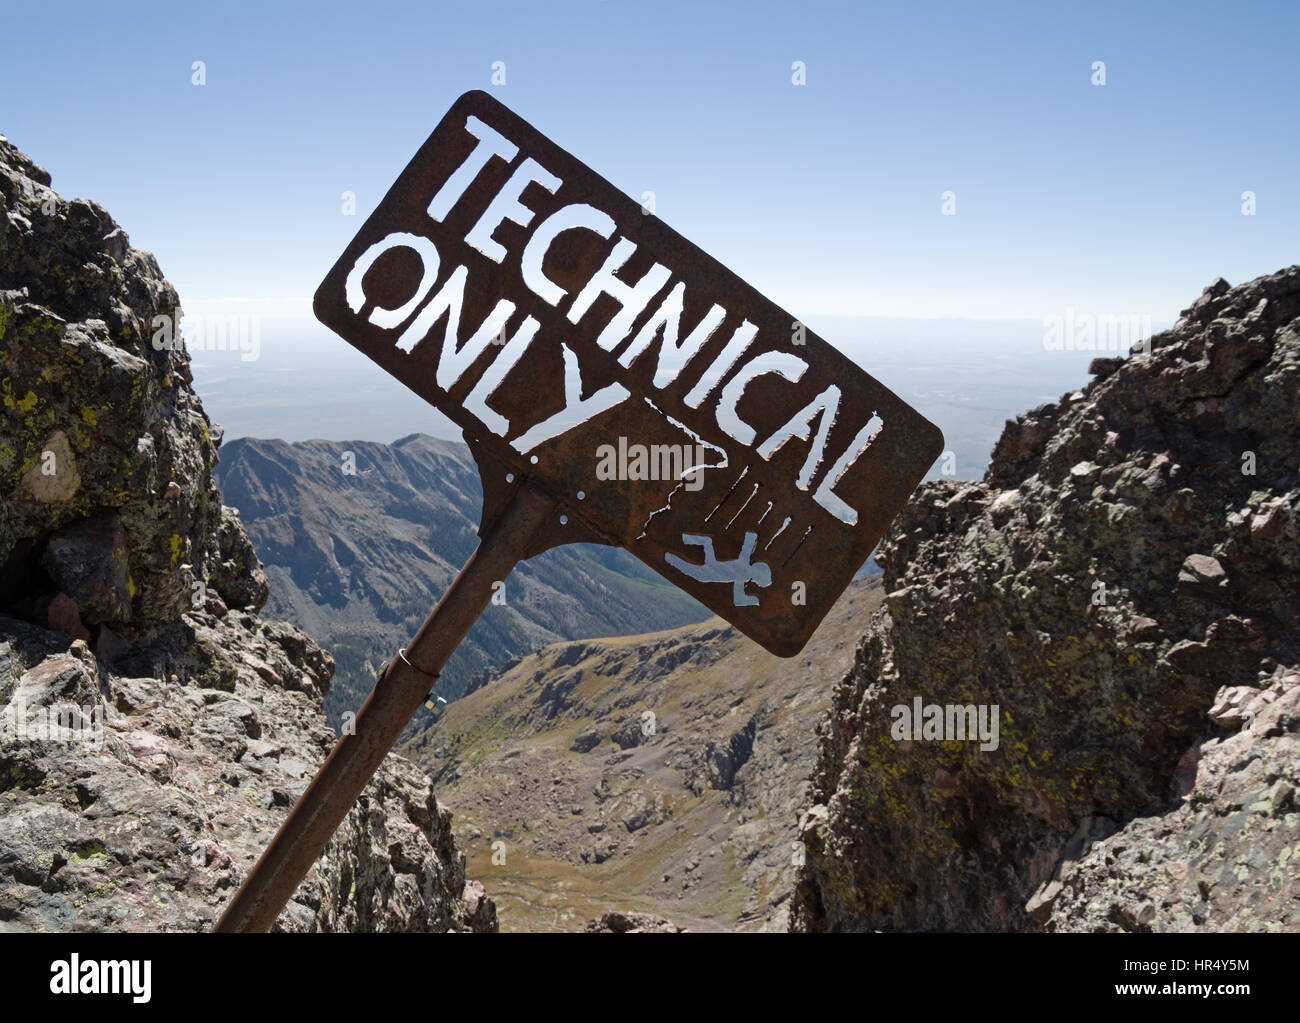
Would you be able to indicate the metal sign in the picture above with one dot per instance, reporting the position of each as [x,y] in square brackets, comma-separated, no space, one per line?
[666,405]
[616,385]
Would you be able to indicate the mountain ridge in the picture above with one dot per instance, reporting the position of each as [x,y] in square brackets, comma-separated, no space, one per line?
[359,539]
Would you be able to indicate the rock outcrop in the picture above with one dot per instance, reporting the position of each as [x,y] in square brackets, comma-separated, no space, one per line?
[1123,591]
[105,451]
[633,923]
[1226,857]
[153,729]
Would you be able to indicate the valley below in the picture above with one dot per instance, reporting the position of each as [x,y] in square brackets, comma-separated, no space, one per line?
[661,773]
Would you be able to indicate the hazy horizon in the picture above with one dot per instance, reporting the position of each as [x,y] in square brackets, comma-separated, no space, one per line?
[925,186]
[967,376]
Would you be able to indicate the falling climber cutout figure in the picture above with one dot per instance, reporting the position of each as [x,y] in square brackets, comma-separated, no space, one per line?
[737,572]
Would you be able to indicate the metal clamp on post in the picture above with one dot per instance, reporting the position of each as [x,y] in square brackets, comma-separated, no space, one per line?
[416,668]
[431,701]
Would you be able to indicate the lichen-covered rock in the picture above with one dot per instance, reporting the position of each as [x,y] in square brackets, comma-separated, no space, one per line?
[1132,549]
[235,571]
[154,731]
[1225,859]
[97,412]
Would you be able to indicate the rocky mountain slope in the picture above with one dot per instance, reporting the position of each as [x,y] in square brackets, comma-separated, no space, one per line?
[153,728]
[657,774]
[360,539]
[1123,590]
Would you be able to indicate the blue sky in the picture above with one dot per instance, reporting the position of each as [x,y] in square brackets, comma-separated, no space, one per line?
[1115,199]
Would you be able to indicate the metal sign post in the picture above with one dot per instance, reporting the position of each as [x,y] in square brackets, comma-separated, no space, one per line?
[616,385]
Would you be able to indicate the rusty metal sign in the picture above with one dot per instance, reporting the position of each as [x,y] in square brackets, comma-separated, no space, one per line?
[666,405]
[616,385]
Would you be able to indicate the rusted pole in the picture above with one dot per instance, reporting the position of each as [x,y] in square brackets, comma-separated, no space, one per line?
[396,697]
